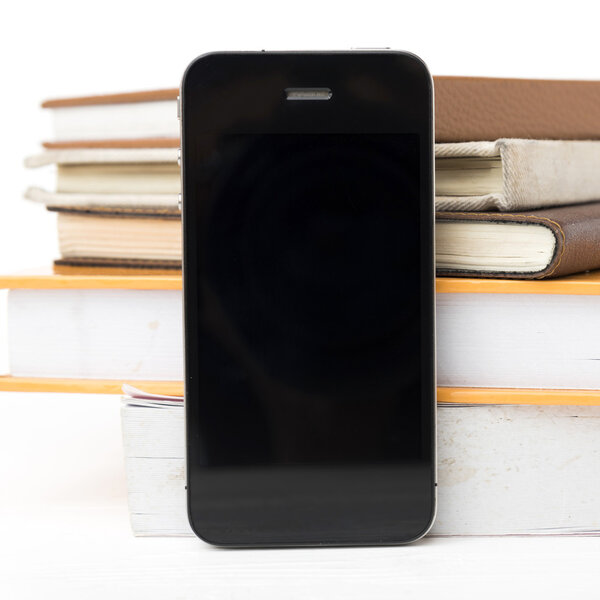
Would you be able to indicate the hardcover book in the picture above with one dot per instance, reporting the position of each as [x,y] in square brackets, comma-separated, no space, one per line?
[506,175]
[466,109]
[531,244]
[516,174]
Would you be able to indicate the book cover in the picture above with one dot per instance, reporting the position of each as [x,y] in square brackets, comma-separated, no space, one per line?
[467,109]
[532,244]
[534,174]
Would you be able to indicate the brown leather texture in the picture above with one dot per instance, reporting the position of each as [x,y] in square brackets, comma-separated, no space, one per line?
[576,230]
[485,108]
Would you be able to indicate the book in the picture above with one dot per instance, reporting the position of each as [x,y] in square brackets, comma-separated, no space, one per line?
[491,333]
[466,109]
[96,201]
[136,119]
[93,328]
[489,108]
[117,177]
[530,245]
[502,469]
[103,156]
[120,178]
[506,175]
[534,174]
[134,178]
[126,236]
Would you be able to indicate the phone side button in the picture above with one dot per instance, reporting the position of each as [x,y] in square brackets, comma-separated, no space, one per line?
[179,202]
[179,157]
[178,107]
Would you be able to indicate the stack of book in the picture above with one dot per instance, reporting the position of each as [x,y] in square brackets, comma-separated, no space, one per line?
[518,226]
[519,198]
[117,179]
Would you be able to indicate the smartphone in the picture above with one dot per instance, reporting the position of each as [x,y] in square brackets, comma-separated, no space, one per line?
[308,273]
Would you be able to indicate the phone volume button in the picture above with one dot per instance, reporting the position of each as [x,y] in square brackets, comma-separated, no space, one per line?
[178,107]
[179,157]
[179,202]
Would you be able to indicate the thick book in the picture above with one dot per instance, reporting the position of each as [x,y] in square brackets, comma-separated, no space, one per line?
[516,174]
[529,245]
[506,175]
[491,333]
[502,469]
[466,109]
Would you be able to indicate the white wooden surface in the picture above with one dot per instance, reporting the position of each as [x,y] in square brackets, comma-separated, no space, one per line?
[64,533]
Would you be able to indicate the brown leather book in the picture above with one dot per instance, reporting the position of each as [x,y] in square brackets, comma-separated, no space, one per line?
[488,108]
[533,244]
[466,109]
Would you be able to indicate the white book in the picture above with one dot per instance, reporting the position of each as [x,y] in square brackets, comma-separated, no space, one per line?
[506,340]
[118,121]
[502,469]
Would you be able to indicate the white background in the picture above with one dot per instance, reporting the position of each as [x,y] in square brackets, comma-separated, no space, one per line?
[63,521]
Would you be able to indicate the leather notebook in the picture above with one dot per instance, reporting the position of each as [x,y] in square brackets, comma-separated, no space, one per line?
[488,108]
[533,244]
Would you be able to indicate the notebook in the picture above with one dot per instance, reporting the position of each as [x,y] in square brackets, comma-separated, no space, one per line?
[466,109]
[531,244]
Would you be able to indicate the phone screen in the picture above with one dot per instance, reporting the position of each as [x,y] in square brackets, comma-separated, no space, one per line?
[309,423]
[309,323]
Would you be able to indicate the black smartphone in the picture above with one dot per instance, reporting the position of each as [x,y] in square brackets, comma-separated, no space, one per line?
[308,269]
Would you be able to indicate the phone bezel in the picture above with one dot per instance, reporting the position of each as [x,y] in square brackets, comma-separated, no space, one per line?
[233,112]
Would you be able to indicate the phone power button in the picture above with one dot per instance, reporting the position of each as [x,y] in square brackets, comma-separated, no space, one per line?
[179,202]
